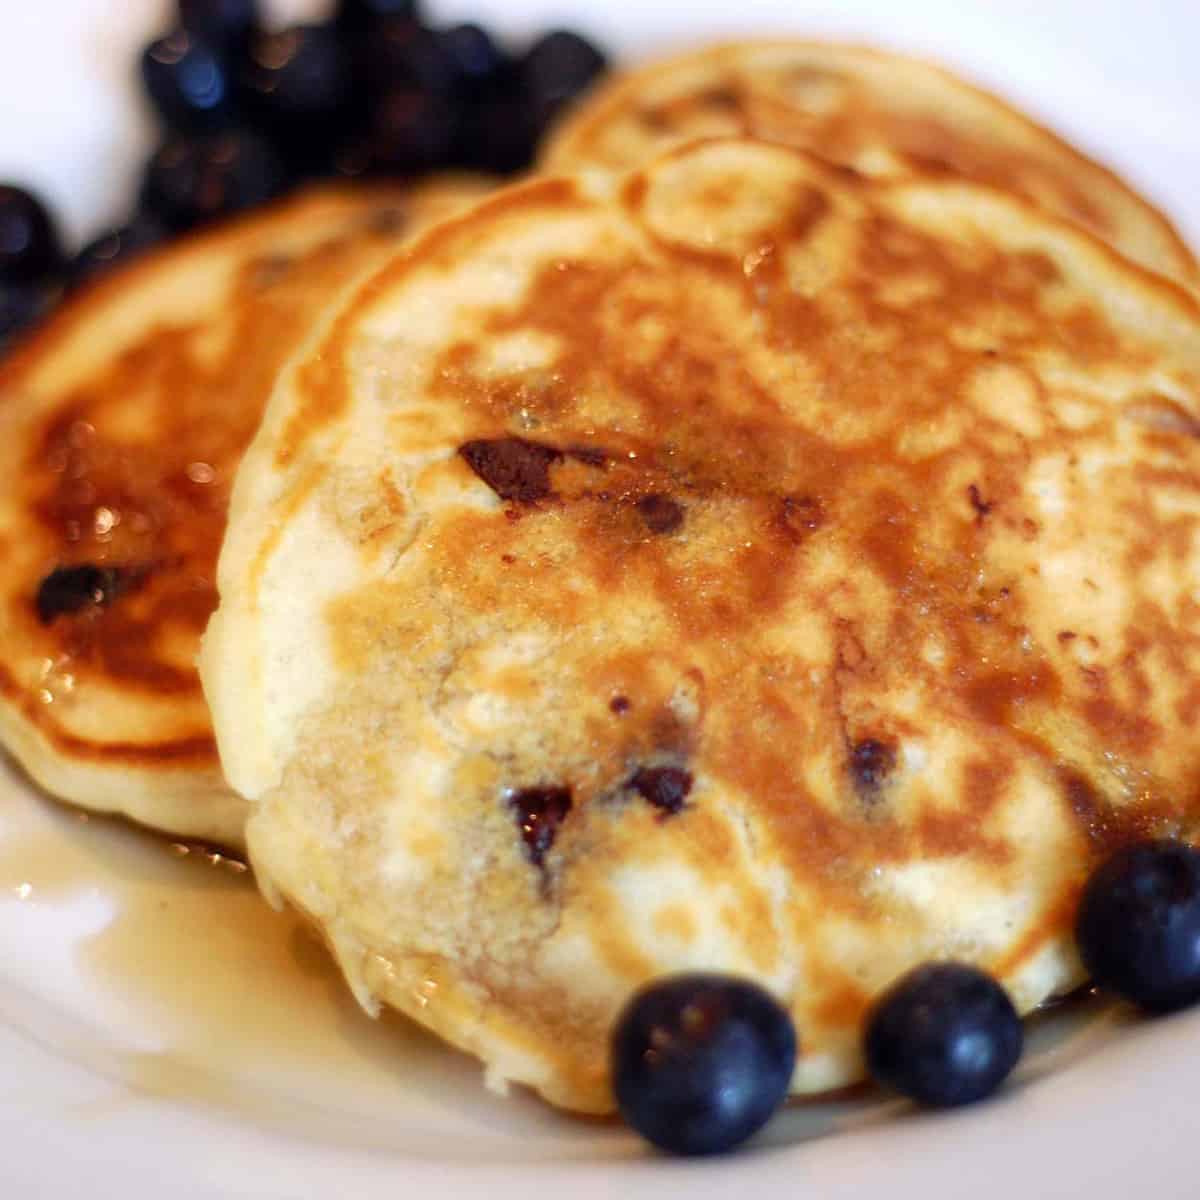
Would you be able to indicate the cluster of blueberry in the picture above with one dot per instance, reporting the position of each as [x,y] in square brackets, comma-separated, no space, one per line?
[248,113]
[701,1062]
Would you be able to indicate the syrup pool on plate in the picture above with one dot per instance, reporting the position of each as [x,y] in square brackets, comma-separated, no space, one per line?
[160,968]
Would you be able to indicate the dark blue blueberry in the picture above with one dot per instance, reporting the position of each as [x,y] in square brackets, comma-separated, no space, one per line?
[22,305]
[498,134]
[480,67]
[193,180]
[401,53]
[30,250]
[115,247]
[297,82]
[188,81]
[558,67]
[411,130]
[944,1034]
[700,1062]
[226,23]
[68,590]
[361,16]
[1138,926]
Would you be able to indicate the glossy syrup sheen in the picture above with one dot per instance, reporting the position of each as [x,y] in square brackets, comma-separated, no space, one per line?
[128,416]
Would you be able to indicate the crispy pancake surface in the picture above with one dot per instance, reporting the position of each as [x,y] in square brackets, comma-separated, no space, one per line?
[883,114]
[124,419]
[735,565]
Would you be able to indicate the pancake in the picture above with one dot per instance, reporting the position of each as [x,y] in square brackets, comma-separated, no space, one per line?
[734,566]
[882,114]
[123,421]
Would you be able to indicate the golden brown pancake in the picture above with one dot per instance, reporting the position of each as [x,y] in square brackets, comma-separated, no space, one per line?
[882,114]
[124,419]
[738,565]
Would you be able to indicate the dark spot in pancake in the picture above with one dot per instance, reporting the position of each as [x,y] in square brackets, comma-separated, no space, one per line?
[871,762]
[811,207]
[660,513]
[666,788]
[68,590]
[590,456]
[270,269]
[720,99]
[508,559]
[800,516]
[513,468]
[1067,635]
[981,506]
[655,119]
[387,222]
[620,705]
[539,813]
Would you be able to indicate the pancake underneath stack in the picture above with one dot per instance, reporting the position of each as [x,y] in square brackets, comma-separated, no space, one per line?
[124,420]
[885,115]
[737,564]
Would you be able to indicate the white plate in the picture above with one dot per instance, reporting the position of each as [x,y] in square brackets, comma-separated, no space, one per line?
[163,1034]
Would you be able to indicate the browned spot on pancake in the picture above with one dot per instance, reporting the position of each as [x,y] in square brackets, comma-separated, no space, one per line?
[871,762]
[996,696]
[539,813]
[960,828]
[326,396]
[799,517]
[843,1004]
[1131,733]
[1108,826]
[512,467]
[753,924]
[660,513]
[620,705]
[666,788]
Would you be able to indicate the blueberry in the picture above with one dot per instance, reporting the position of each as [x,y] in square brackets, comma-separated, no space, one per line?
[188,81]
[21,306]
[68,590]
[944,1034]
[498,134]
[700,1062]
[411,130]
[30,250]
[558,67]
[227,23]
[360,16]
[297,82]
[401,53]
[115,247]
[1138,926]
[193,180]
[479,65]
